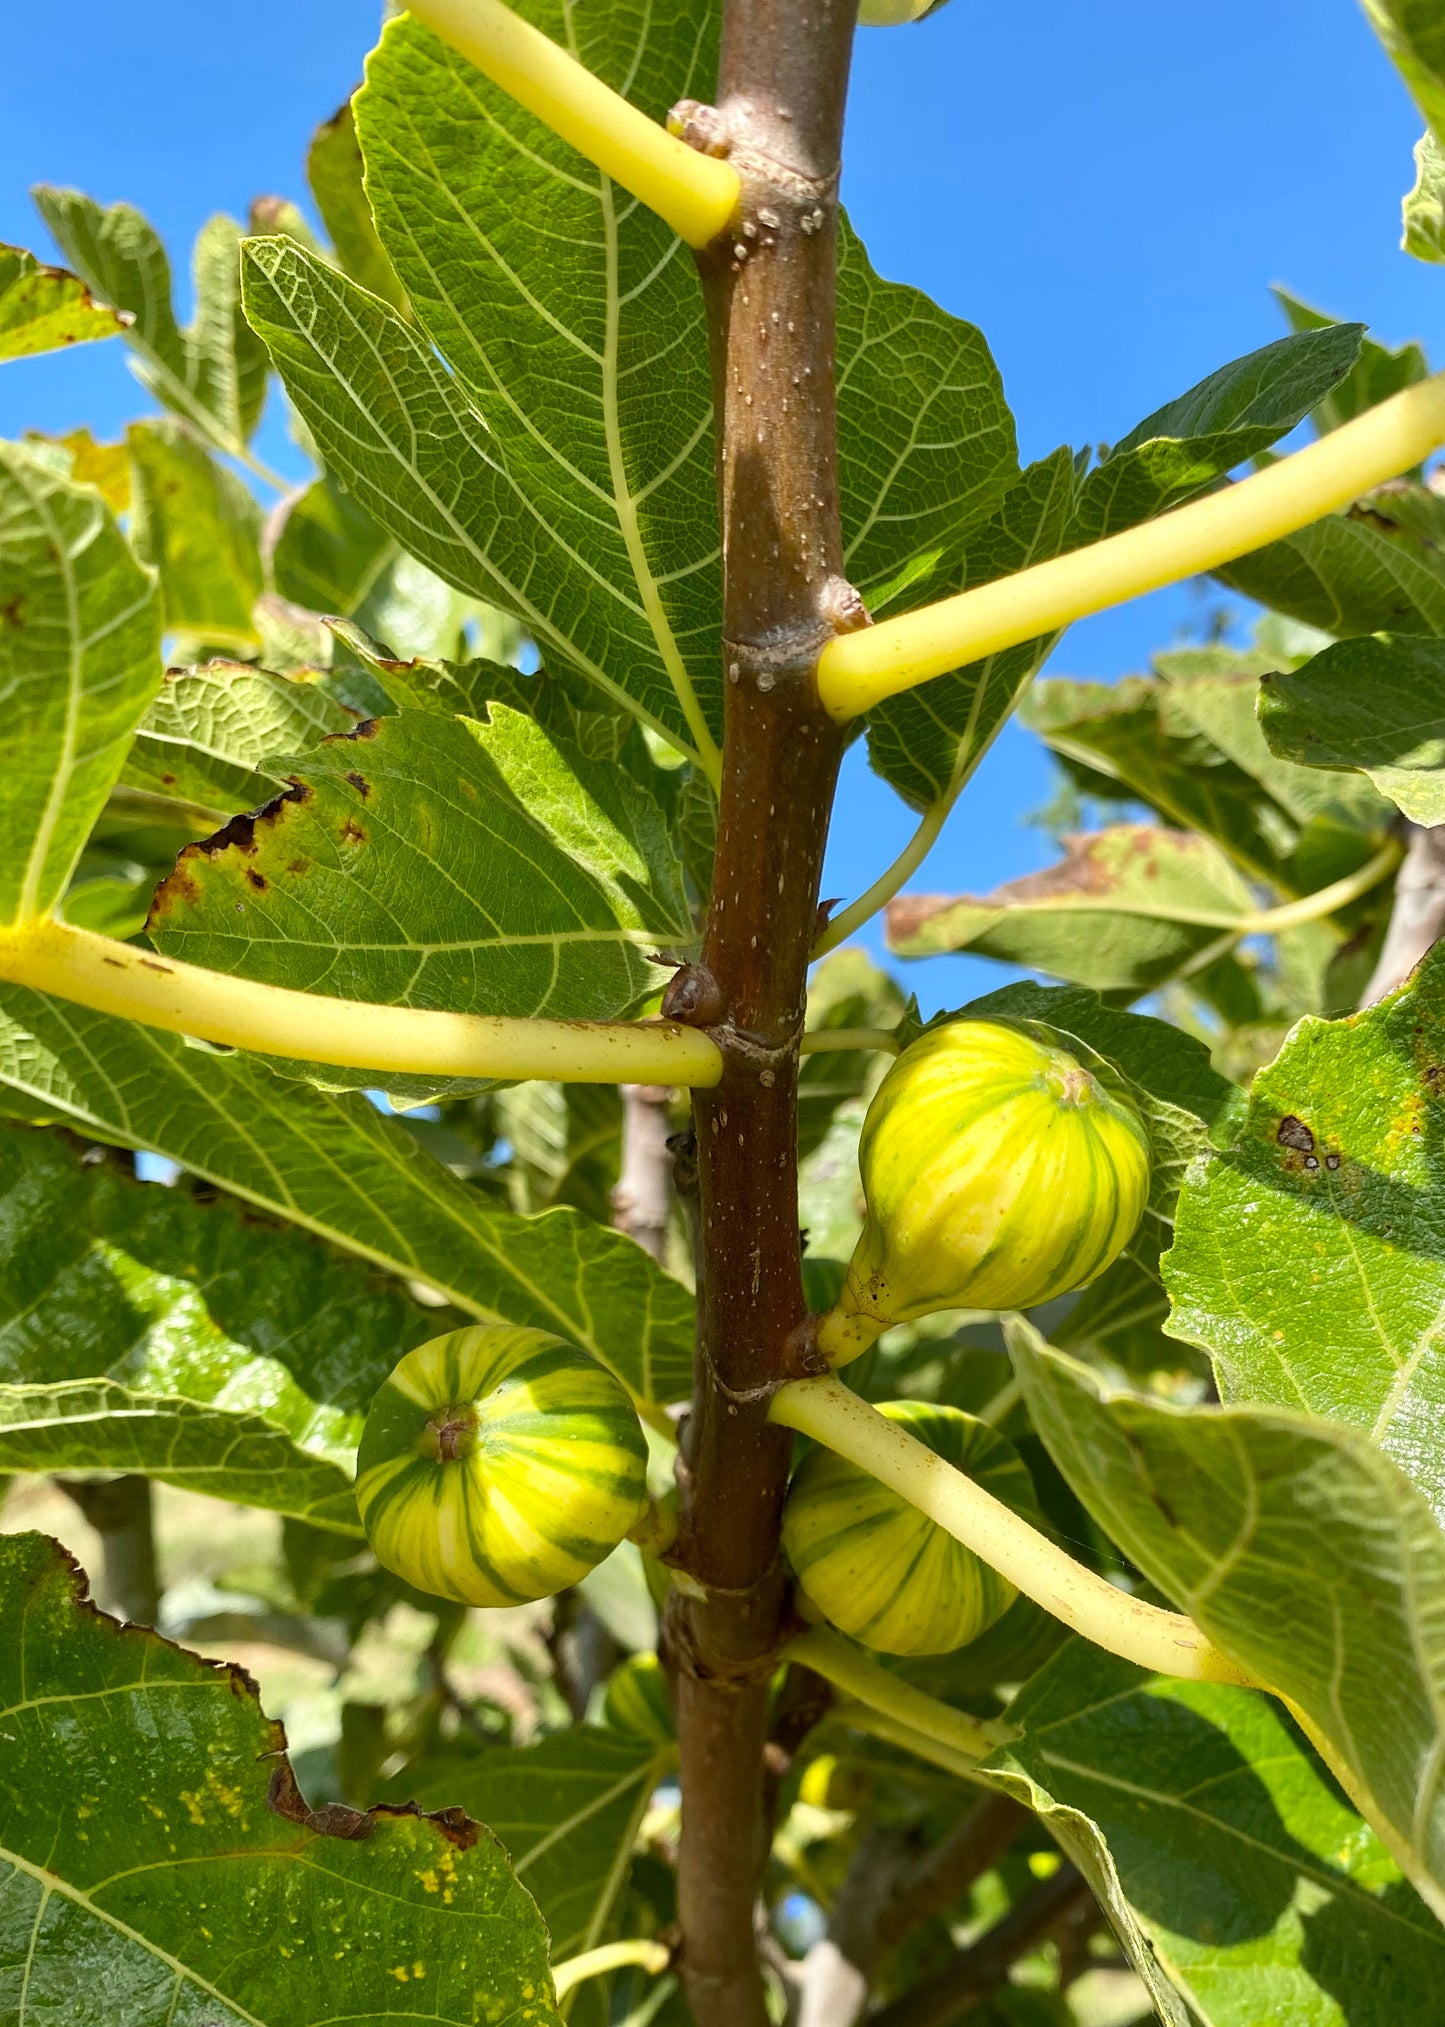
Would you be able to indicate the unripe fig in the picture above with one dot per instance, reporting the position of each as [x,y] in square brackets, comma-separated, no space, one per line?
[499,1465]
[882,1571]
[998,1172]
[639,1701]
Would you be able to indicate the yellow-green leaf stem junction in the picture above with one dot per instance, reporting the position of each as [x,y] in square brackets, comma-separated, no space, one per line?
[878,1568]
[998,1172]
[499,1465]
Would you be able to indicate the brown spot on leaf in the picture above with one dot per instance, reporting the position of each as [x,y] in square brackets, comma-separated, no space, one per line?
[334,1819]
[454,1824]
[351,832]
[360,783]
[181,887]
[11,609]
[1294,1133]
[257,880]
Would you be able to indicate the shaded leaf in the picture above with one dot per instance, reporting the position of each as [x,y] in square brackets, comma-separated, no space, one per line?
[335,1166]
[1127,908]
[1301,1550]
[1364,571]
[434,862]
[1146,736]
[141,1330]
[1376,704]
[210,733]
[334,171]
[567,1811]
[847,990]
[1339,1169]
[200,527]
[79,662]
[43,308]
[147,1872]
[566,1142]
[1253,1888]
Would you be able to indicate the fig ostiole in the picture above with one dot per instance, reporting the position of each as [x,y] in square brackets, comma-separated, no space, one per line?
[499,1465]
[998,1169]
[876,1567]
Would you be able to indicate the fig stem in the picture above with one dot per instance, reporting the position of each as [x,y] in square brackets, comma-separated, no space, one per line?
[839,1041]
[848,1668]
[858,670]
[649,1956]
[1164,1642]
[695,194]
[119,978]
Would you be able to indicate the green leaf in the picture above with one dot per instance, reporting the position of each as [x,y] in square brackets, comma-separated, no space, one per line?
[209,735]
[566,1142]
[143,1330]
[434,862]
[328,556]
[1365,571]
[43,308]
[335,1166]
[1126,909]
[1423,212]
[1378,373]
[1256,1891]
[564,338]
[1217,691]
[926,448]
[201,528]
[567,1811]
[79,662]
[1185,447]
[148,1880]
[1301,1551]
[1414,35]
[1309,1258]
[927,742]
[1376,704]
[421,461]
[333,169]
[847,990]
[1142,734]
[213,373]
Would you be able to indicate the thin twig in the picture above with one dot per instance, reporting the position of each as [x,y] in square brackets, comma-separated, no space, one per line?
[963,1985]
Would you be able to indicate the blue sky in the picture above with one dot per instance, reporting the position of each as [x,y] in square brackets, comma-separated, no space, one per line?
[1107,187]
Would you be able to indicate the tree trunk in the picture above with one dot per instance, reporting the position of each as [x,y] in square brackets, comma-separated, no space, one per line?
[120,1511]
[770,296]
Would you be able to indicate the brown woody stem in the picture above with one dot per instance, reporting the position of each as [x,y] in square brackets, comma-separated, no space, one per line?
[770,292]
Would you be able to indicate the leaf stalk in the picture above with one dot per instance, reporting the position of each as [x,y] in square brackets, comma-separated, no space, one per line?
[859,670]
[1164,1642]
[838,1661]
[695,194]
[211,1006]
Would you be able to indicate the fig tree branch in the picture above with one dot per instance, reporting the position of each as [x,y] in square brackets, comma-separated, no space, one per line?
[859,670]
[212,1006]
[962,1986]
[770,291]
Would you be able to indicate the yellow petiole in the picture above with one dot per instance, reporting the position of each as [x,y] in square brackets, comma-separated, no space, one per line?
[211,1006]
[858,670]
[694,193]
[1165,1642]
